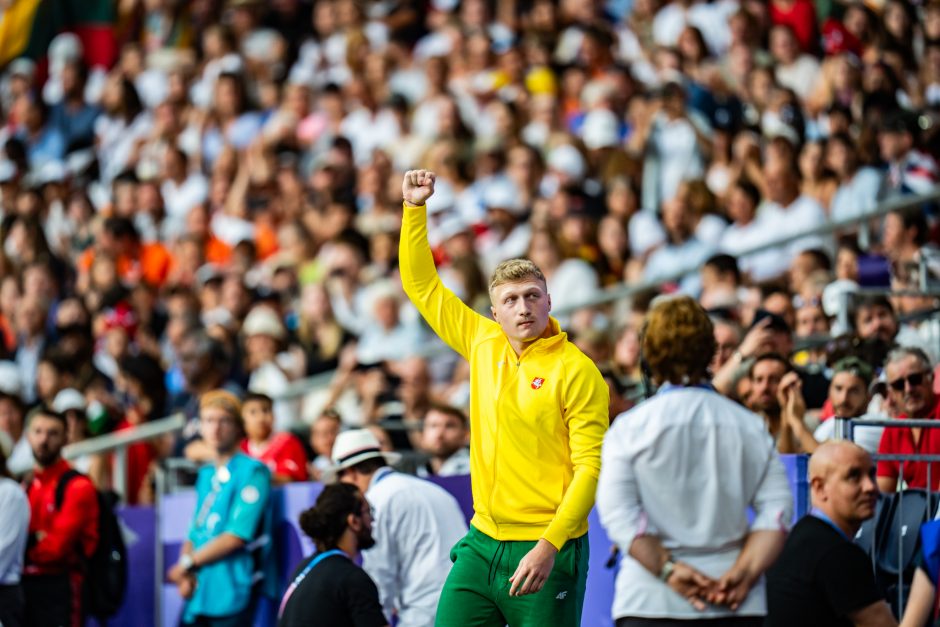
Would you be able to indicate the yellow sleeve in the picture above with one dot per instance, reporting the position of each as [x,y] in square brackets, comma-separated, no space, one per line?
[451,319]
[587,417]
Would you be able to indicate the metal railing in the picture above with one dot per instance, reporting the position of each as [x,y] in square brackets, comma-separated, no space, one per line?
[623,291]
[118,443]
[844,430]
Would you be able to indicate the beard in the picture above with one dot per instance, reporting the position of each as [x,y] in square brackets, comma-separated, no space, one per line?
[46,457]
[364,539]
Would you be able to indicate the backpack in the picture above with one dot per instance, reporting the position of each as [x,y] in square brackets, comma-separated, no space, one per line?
[105,582]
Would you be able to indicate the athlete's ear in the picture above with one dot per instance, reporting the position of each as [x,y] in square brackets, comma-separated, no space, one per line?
[549,301]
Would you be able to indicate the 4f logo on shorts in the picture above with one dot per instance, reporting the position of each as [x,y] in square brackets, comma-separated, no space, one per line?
[537,382]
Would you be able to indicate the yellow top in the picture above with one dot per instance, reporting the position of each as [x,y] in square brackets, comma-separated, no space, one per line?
[537,420]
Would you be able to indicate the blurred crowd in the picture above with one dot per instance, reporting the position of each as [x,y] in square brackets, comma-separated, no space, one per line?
[221,208]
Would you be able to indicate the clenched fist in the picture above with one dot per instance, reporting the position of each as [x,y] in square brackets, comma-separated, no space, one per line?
[417,187]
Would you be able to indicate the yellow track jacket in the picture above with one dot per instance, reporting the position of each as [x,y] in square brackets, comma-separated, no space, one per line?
[537,420]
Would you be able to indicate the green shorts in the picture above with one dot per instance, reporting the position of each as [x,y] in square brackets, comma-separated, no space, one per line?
[476,593]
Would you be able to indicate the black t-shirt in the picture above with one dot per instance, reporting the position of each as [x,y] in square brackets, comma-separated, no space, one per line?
[335,592]
[819,578]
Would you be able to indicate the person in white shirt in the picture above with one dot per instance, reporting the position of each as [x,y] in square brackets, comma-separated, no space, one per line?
[857,193]
[786,212]
[415,525]
[683,250]
[794,70]
[678,474]
[14,531]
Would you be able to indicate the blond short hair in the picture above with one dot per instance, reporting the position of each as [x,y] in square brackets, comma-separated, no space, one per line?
[225,400]
[513,271]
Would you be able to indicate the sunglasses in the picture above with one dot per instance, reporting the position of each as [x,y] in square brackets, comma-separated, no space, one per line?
[914,379]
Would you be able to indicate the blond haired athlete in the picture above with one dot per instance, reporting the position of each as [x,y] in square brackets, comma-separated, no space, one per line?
[538,414]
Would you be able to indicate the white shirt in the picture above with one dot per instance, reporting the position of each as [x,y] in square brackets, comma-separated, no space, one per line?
[456,464]
[762,265]
[800,76]
[14,530]
[21,459]
[684,466]
[803,214]
[674,258]
[858,196]
[415,525]
[866,436]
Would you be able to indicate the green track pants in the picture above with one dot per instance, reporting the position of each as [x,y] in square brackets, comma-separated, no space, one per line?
[476,593]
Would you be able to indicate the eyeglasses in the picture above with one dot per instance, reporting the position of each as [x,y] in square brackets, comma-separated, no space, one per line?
[914,379]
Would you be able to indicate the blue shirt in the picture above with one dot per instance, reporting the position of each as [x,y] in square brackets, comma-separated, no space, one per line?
[229,499]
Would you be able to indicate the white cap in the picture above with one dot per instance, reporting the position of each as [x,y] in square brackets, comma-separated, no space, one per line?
[11,382]
[566,158]
[502,193]
[22,67]
[600,129]
[65,47]
[355,446]
[263,320]
[68,399]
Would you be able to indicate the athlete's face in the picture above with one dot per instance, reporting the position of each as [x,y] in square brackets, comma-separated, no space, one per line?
[521,308]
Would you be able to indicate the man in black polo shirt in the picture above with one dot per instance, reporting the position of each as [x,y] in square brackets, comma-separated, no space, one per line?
[821,577]
[328,587]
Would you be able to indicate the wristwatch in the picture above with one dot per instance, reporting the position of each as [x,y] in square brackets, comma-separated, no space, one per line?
[667,569]
[186,561]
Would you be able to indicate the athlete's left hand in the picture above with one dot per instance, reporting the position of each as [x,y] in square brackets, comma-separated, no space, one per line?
[533,569]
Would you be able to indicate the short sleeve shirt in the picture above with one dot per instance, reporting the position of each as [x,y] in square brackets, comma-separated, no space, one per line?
[900,441]
[230,499]
[819,579]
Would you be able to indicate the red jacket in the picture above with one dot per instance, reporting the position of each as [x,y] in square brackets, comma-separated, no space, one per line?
[284,455]
[67,533]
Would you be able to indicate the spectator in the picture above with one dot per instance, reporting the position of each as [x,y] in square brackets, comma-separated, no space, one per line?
[282,452]
[12,419]
[910,171]
[416,525]
[766,374]
[63,535]
[873,318]
[676,542]
[909,376]
[445,434]
[905,232]
[14,531]
[683,250]
[323,433]
[858,183]
[822,577]
[204,365]
[787,212]
[328,587]
[216,571]
[849,398]
[264,361]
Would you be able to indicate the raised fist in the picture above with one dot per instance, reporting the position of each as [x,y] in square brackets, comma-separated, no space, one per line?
[417,186]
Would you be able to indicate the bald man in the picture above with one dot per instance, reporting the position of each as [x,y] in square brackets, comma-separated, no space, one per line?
[822,578]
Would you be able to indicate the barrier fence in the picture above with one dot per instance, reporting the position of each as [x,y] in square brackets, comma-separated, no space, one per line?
[155,535]
[898,525]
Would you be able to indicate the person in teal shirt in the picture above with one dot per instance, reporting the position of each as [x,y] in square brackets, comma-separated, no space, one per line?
[216,570]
